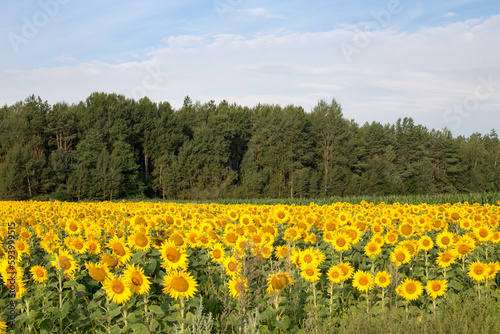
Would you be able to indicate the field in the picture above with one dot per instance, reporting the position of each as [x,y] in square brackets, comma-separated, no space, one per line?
[351,266]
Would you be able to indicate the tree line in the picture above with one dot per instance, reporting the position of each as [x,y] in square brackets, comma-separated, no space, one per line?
[110,147]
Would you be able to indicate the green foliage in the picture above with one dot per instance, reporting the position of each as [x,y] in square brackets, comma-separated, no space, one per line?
[111,147]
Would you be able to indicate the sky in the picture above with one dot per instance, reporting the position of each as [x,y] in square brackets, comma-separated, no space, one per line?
[437,62]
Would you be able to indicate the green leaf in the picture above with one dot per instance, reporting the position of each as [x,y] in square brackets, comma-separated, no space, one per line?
[81,288]
[70,284]
[92,305]
[150,268]
[156,309]
[139,328]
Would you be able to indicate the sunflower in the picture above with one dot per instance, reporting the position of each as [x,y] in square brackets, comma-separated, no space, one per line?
[410,289]
[177,238]
[406,230]
[391,238]
[464,246]
[116,289]
[279,282]
[93,247]
[73,227]
[78,245]
[310,272]
[436,288]
[139,241]
[22,247]
[281,251]
[425,243]
[383,279]
[229,238]
[39,274]
[478,271]
[98,271]
[444,239]
[354,235]
[117,245]
[334,274]
[347,270]
[173,257]
[308,256]
[483,233]
[136,280]
[492,270]
[64,260]
[362,280]
[217,253]
[109,260]
[372,249]
[341,241]
[445,259]
[3,327]
[231,265]
[16,285]
[179,284]
[237,286]
[400,255]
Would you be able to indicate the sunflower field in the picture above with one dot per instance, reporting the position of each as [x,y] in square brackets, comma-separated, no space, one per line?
[124,267]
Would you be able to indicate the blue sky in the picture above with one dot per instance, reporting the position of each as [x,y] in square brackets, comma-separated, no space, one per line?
[435,61]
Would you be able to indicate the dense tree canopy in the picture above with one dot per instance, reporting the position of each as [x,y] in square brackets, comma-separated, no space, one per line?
[110,147]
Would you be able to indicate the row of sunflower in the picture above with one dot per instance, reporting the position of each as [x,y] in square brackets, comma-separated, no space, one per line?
[146,266]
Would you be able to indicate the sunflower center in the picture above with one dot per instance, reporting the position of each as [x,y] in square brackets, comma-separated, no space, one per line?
[335,274]
[119,249]
[173,255]
[118,288]
[406,229]
[308,258]
[231,238]
[92,247]
[382,279]
[483,233]
[363,281]
[179,284]
[78,245]
[141,240]
[309,272]
[445,240]
[426,243]
[478,270]
[411,288]
[231,266]
[446,257]
[340,242]
[217,253]
[276,283]
[177,239]
[137,280]
[73,227]
[400,256]
[20,246]
[436,287]
[97,274]
[40,273]
[372,248]
[64,262]
[463,249]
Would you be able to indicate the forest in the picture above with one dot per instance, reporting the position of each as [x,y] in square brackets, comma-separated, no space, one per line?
[110,147]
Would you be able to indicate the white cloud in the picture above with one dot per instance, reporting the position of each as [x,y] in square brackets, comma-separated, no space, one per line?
[449,14]
[421,74]
[258,12]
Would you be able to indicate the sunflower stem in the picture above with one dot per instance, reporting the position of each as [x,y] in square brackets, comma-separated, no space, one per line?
[426,267]
[181,308]
[314,293]
[383,296]
[331,297]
